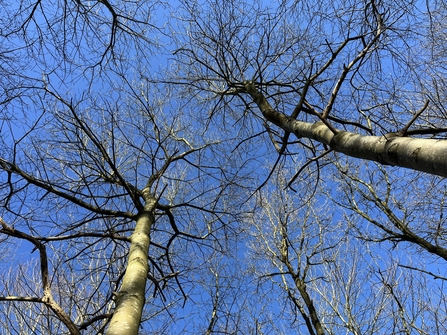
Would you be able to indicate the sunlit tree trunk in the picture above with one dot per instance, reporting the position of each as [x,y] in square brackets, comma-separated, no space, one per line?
[426,155]
[131,297]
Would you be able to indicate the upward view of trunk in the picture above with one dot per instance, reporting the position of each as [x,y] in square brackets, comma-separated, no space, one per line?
[130,299]
[426,155]
[223,167]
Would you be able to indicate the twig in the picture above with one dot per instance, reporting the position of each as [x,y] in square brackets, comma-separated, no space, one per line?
[423,271]
[404,131]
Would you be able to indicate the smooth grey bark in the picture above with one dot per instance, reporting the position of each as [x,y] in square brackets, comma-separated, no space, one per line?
[130,299]
[426,155]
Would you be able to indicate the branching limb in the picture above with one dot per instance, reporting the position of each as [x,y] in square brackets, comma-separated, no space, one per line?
[315,159]
[14,169]
[404,131]
[435,276]
[47,298]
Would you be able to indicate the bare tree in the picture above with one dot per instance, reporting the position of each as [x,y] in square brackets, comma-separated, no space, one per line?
[91,183]
[144,148]
[90,180]
[321,71]
[331,280]
[325,82]
[84,172]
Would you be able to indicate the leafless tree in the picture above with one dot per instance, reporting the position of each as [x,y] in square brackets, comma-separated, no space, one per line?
[325,82]
[145,146]
[336,73]
[92,176]
[331,280]
[79,181]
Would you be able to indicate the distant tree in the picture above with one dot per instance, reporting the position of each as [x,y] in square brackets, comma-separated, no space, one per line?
[332,278]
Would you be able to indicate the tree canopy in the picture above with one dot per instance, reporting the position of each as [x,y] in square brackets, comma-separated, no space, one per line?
[223,167]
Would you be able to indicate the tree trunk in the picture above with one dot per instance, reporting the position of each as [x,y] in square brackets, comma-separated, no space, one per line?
[131,298]
[427,155]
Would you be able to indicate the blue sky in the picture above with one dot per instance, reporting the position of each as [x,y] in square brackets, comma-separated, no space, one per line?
[115,96]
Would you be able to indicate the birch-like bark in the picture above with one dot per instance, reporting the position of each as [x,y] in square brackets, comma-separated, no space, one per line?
[426,155]
[130,299]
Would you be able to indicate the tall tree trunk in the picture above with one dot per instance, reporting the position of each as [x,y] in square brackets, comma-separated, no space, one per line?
[131,298]
[427,155]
